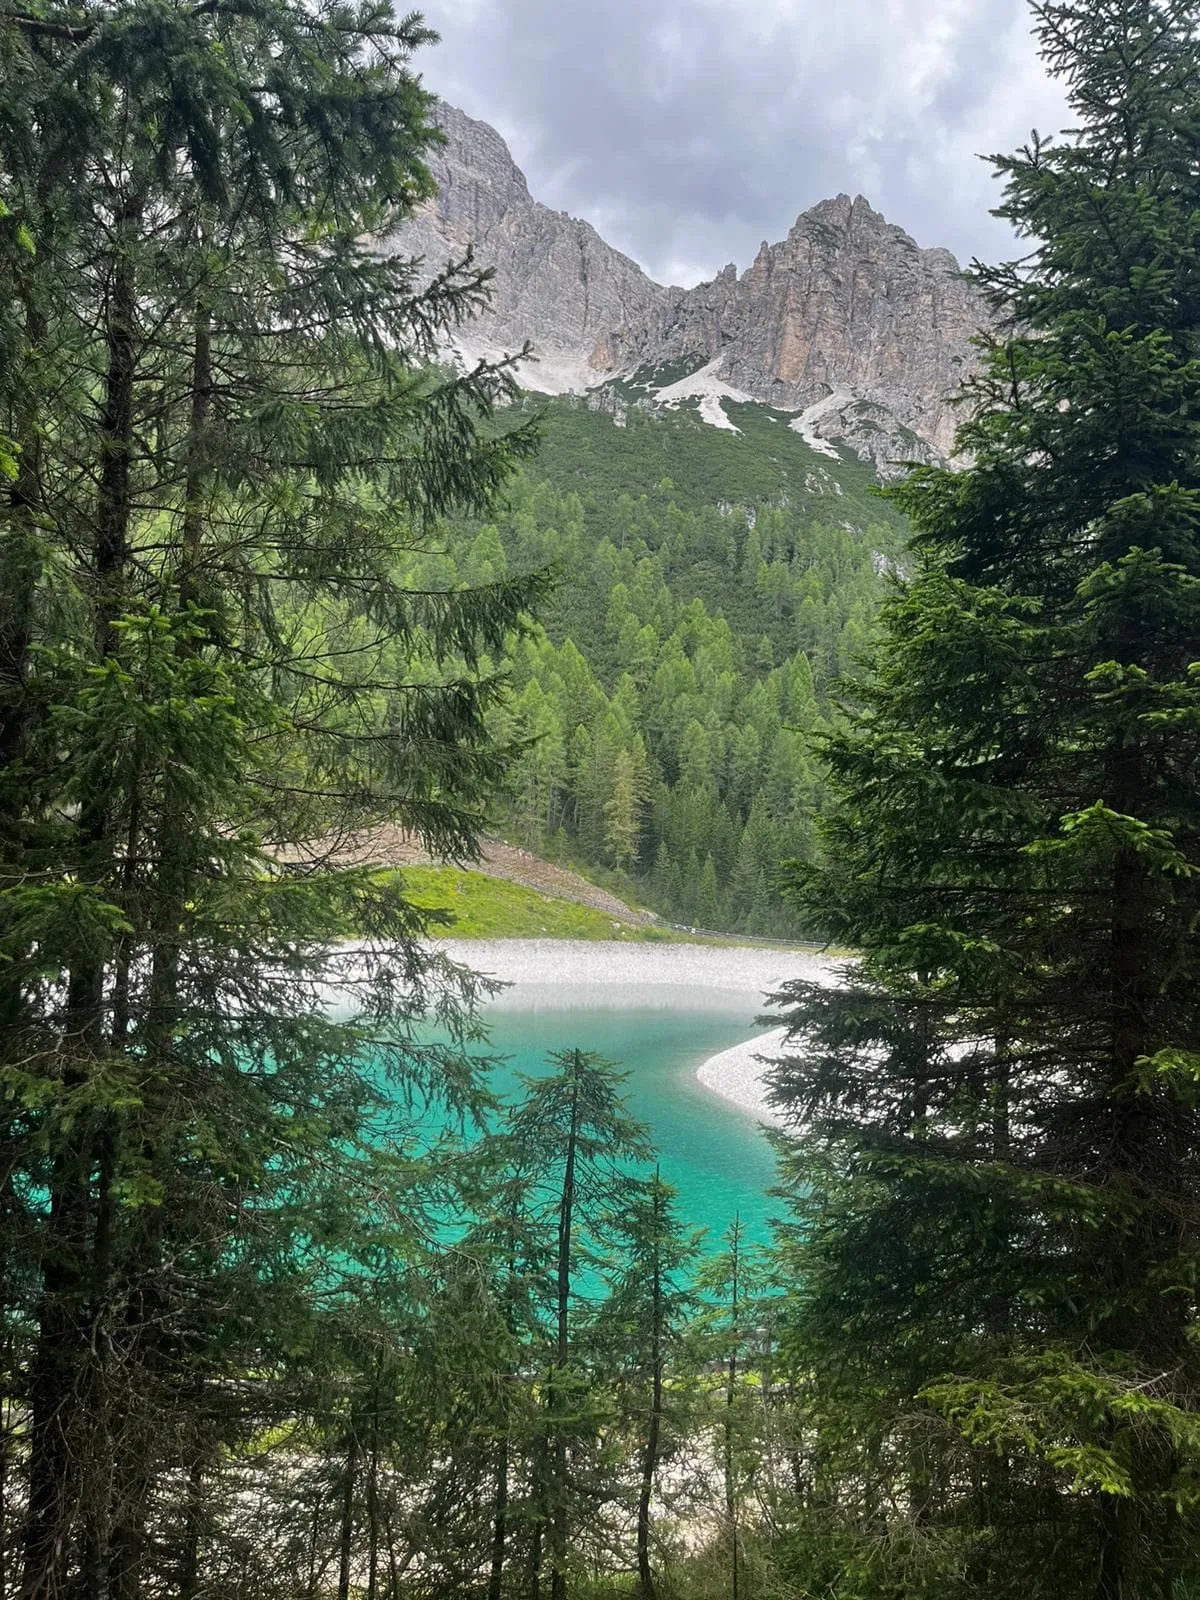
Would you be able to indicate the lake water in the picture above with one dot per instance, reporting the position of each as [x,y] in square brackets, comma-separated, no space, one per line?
[714,1154]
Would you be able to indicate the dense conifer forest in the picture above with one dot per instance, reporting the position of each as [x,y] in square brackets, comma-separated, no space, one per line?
[270,573]
[720,586]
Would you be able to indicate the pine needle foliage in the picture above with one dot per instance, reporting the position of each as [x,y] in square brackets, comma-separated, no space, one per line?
[224,436]
[997,1263]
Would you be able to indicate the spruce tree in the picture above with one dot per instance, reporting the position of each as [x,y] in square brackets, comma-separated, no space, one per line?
[645,1317]
[733,1285]
[1004,1233]
[230,443]
[572,1133]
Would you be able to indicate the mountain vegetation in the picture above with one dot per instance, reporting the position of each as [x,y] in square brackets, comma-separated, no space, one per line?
[715,586]
[269,574]
[223,433]
[845,321]
[996,1268]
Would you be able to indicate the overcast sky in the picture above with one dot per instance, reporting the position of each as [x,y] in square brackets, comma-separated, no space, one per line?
[687,131]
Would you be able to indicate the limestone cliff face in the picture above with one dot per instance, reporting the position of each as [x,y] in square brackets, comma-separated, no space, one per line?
[557,283]
[846,321]
[846,315]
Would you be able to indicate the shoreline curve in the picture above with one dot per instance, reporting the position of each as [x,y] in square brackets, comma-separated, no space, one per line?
[556,974]
[587,975]
[738,1075]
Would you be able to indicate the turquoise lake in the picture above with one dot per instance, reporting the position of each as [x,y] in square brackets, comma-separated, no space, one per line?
[713,1153]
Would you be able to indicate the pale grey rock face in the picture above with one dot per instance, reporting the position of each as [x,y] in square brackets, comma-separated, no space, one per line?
[846,321]
[557,283]
[846,305]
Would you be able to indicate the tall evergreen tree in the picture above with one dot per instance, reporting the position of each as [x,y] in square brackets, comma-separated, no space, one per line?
[229,440]
[573,1129]
[645,1316]
[997,1283]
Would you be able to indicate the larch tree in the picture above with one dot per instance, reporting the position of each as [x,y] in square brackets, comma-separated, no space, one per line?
[622,824]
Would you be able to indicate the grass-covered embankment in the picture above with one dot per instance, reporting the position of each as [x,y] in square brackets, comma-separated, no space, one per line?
[485,907]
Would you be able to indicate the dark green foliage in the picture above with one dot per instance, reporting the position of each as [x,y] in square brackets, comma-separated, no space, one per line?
[1000,1237]
[226,436]
[644,1323]
[712,587]
[572,1136]
[262,1333]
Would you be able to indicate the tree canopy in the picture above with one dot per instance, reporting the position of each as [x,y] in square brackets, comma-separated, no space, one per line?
[997,1274]
[226,431]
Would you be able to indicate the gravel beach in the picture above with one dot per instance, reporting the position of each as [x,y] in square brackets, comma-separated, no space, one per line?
[737,1075]
[564,974]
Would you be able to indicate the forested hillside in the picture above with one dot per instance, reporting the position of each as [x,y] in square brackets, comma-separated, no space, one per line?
[713,587]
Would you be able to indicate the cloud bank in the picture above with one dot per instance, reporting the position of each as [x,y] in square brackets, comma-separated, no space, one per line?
[687,131]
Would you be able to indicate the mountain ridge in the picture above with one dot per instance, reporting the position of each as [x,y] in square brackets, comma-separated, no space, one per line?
[847,322]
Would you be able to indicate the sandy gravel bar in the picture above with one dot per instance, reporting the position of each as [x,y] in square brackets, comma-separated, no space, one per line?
[568,974]
[737,1075]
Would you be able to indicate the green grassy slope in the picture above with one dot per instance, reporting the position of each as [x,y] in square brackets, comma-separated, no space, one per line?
[483,907]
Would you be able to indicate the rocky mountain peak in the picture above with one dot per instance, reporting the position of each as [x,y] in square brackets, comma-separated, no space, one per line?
[847,322]
[836,211]
[583,304]
[477,158]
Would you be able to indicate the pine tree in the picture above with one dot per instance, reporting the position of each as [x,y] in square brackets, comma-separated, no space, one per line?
[996,1280]
[572,1129]
[645,1317]
[732,1283]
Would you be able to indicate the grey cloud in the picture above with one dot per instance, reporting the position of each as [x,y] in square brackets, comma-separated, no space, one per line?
[688,131]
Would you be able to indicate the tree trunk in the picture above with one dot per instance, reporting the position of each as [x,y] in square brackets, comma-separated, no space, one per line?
[66,1334]
[201,403]
[346,1534]
[4,1462]
[731,1510]
[650,1454]
[193,1523]
[535,1561]
[128,1539]
[56,1381]
[499,1522]
[168,892]
[373,1489]
[558,1483]
[20,570]
[1139,1533]
[504,1459]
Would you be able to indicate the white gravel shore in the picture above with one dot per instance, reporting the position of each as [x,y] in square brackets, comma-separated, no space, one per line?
[569,974]
[737,1075]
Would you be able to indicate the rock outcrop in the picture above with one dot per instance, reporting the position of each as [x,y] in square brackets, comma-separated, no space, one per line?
[557,283]
[846,322]
[846,315]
